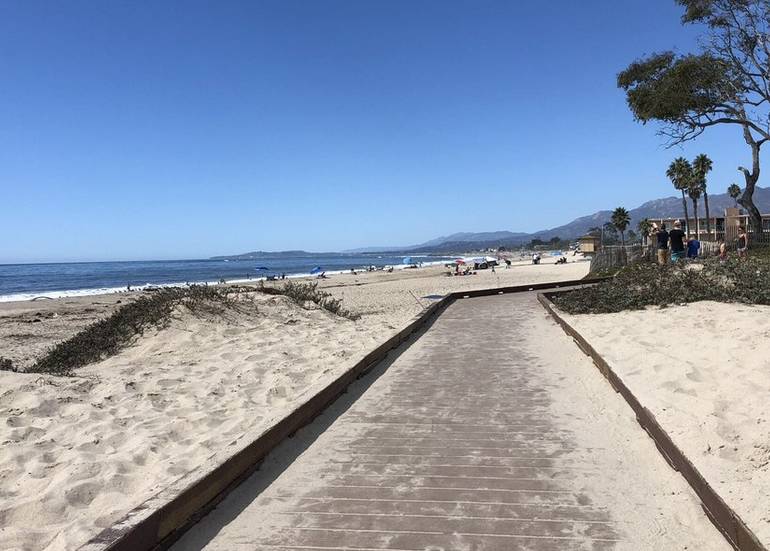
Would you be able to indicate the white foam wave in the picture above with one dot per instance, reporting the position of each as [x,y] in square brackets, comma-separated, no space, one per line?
[73,293]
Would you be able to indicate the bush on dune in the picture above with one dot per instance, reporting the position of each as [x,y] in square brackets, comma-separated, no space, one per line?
[300,293]
[646,284]
[108,336]
[6,364]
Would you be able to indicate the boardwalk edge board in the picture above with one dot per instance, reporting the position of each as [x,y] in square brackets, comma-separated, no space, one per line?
[737,533]
[162,519]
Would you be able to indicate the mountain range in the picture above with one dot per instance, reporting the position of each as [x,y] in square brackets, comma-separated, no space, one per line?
[667,207]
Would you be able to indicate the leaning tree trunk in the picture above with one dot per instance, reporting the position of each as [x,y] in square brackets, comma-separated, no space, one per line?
[708,213]
[747,199]
[686,214]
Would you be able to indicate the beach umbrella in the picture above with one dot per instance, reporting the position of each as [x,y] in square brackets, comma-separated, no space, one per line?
[316,270]
[407,260]
[459,261]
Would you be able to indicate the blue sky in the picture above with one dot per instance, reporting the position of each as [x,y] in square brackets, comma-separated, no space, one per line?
[160,130]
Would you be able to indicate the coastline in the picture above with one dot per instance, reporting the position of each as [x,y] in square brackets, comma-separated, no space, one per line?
[102,290]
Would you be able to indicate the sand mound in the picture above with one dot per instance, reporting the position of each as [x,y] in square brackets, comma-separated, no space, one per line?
[152,413]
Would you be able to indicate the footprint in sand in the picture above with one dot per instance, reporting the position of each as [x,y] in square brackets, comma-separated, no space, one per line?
[276,394]
[694,375]
[17,421]
[168,383]
[83,494]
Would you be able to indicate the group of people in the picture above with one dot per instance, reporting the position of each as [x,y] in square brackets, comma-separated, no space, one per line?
[676,246]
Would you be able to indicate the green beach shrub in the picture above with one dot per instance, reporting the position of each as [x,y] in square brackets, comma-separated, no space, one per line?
[108,336]
[646,284]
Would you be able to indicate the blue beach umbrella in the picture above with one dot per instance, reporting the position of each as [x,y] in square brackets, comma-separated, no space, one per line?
[407,260]
[316,270]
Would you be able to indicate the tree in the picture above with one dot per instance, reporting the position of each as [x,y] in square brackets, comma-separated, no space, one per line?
[680,174]
[620,220]
[734,191]
[694,192]
[632,236]
[701,167]
[644,226]
[609,234]
[728,83]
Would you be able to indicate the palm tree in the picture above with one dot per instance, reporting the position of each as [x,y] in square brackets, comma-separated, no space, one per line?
[694,192]
[620,219]
[701,166]
[734,191]
[680,174]
[609,234]
[644,226]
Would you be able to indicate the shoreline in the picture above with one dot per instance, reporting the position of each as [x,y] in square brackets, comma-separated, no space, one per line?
[99,291]
[103,291]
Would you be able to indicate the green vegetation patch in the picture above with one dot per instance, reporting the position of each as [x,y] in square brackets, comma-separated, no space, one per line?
[646,284]
[108,336]
[300,293]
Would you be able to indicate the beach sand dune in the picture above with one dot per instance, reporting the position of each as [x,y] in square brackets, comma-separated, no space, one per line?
[79,452]
[703,370]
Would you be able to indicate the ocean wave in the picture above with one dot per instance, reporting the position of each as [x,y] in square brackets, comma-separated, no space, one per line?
[74,293]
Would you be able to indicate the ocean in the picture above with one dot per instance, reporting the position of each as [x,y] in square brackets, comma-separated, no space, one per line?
[54,280]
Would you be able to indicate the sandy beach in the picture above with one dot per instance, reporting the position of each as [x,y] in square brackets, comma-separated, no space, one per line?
[81,451]
[704,371]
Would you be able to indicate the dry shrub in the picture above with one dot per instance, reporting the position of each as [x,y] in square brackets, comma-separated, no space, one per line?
[300,293]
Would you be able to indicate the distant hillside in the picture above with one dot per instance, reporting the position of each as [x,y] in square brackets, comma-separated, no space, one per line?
[448,242]
[469,237]
[668,207]
[255,255]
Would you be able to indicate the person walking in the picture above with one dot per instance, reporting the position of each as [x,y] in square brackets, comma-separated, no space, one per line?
[743,243]
[662,238]
[676,238]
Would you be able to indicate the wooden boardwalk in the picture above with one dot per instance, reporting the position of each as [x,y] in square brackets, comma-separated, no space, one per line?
[490,432]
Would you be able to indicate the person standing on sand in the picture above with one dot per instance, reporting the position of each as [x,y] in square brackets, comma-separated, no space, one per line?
[662,237]
[676,237]
[743,243]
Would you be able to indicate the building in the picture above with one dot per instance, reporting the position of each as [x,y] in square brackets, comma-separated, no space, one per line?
[589,244]
[722,227]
